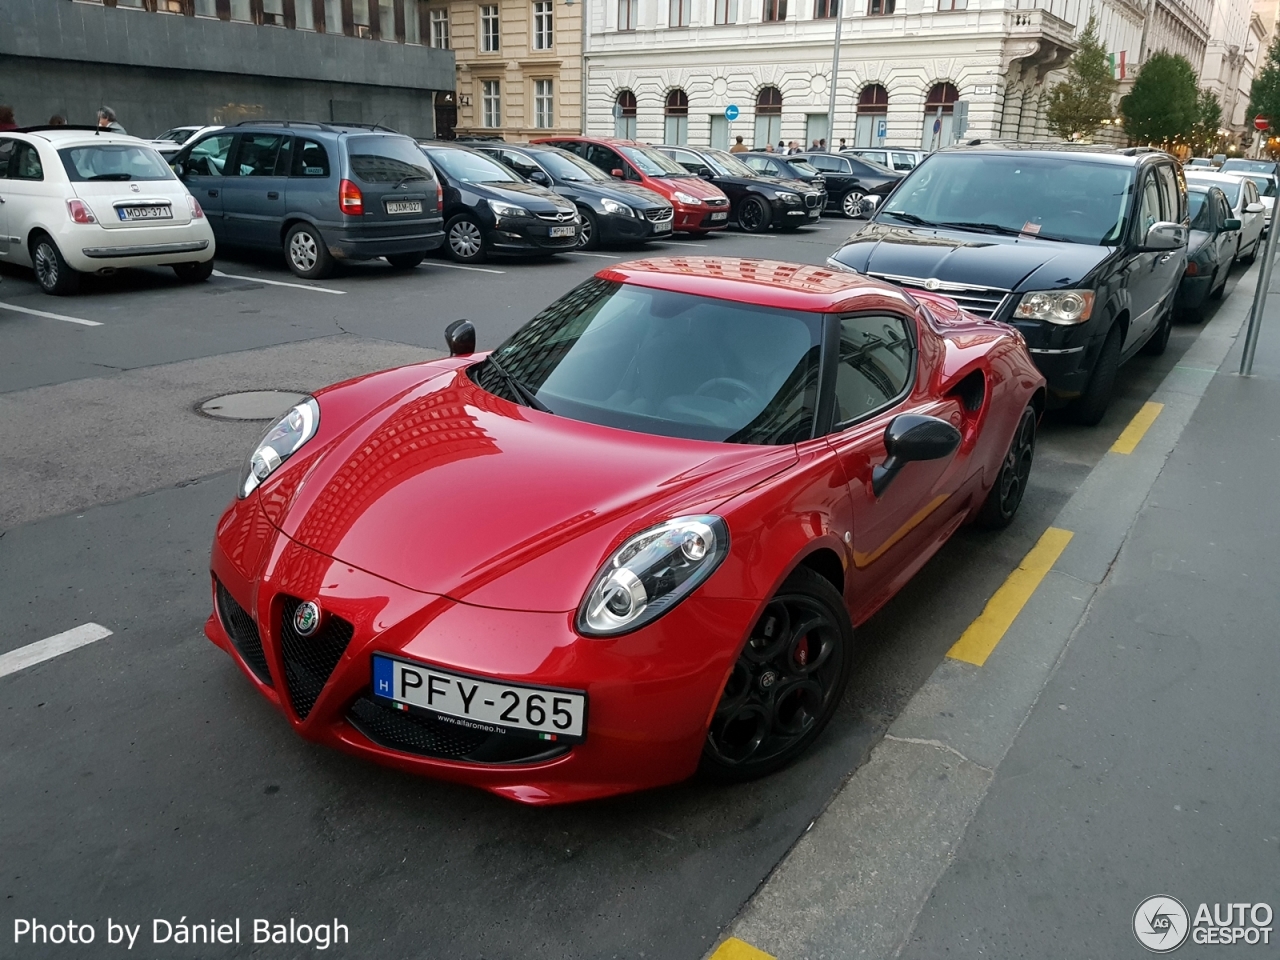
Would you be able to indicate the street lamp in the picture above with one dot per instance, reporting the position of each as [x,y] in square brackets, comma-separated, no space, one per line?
[835,73]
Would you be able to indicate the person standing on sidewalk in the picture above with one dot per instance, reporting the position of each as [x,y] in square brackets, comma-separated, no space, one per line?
[738,147]
[6,118]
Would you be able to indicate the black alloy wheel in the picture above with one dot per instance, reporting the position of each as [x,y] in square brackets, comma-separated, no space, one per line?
[588,230]
[1002,503]
[753,215]
[194,272]
[52,272]
[786,683]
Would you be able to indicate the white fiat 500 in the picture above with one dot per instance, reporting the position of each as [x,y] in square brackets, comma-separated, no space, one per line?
[76,201]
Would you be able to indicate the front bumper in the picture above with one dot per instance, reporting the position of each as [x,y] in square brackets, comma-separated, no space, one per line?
[622,229]
[699,219]
[530,235]
[794,215]
[1064,354]
[650,693]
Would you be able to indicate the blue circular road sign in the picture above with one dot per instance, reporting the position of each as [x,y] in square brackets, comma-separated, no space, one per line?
[731,112]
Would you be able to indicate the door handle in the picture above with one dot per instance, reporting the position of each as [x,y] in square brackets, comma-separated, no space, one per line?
[213,193]
[273,195]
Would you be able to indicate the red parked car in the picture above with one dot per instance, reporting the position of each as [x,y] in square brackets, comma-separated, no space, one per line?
[699,206]
[632,541]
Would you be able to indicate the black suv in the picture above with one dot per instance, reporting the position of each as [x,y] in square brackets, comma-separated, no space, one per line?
[321,191]
[1080,249]
[756,201]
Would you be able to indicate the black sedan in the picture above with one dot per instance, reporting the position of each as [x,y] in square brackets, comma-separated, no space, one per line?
[1211,248]
[490,209]
[612,211]
[757,202]
[851,180]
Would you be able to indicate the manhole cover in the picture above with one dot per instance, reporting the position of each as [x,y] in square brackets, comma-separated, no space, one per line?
[251,405]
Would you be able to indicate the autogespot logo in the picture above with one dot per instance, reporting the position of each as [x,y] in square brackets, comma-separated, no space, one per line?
[1161,924]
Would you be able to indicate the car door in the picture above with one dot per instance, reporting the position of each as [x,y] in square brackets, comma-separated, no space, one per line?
[894,533]
[1224,241]
[312,185]
[1170,266]
[27,197]
[253,193]
[1146,276]
[203,170]
[1251,223]
[7,148]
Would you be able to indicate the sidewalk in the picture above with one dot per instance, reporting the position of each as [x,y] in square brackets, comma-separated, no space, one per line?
[1119,743]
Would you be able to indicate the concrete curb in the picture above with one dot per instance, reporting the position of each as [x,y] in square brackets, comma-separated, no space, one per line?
[855,882]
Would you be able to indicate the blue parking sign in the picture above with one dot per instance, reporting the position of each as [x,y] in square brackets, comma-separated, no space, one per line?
[731,112]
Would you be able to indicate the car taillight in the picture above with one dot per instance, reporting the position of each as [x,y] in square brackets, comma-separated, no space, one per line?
[1192,269]
[439,198]
[350,199]
[80,213]
[197,212]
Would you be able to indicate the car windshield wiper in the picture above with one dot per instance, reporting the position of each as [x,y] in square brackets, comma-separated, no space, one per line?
[413,176]
[519,389]
[910,218]
[112,176]
[1000,229]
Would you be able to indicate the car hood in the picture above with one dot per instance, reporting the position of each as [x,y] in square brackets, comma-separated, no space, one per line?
[1006,263]
[631,193]
[529,195]
[450,490]
[694,186]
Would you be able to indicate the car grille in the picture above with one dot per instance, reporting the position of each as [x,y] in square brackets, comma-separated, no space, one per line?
[309,661]
[243,633]
[427,737]
[812,200]
[565,216]
[717,202]
[661,214]
[981,301]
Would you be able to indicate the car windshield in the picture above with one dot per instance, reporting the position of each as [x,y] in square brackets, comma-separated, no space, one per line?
[1055,198]
[804,167]
[387,160]
[471,167]
[1250,166]
[728,165]
[1230,187]
[1266,185]
[563,165]
[671,364]
[652,163]
[178,134]
[114,161]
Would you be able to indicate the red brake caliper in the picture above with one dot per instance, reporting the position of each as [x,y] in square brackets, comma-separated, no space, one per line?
[802,651]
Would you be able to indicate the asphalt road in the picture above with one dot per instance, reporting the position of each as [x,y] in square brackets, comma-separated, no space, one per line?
[142,778]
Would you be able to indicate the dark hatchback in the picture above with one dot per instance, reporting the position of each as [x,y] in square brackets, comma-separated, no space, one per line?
[1081,250]
[756,201]
[489,208]
[321,192]
[1211,249]
[611,211]
[851,180]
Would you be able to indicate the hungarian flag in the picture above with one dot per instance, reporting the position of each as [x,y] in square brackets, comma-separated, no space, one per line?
[1118,65]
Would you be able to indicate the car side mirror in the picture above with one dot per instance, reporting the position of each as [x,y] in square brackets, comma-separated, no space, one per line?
[538,177]
[909,437]
[1254,207]
[461,338]
[705,173]
[617,172]
[1231,223]
[179,168]
[1165,235]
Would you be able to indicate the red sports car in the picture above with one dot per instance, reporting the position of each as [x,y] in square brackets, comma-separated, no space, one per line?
[632,541]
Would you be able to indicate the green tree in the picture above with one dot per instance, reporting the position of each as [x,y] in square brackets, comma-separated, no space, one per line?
[1078,105]
[1163,104]
[1204,138]
[1264,95]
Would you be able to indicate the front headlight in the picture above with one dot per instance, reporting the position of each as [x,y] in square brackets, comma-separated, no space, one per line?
[501,209]
[621,209]
[685,198]
[789,198]
[278,444]
[1056,306]
[652,572]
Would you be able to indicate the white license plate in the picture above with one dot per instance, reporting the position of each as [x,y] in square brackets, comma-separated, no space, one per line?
[663,227]
[563,231]
[404,206]
[474,703]
[722,215]
[153,212]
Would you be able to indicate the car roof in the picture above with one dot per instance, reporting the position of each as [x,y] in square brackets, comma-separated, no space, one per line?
[64,136]
[1064,150]
[771,283]
[1228,177]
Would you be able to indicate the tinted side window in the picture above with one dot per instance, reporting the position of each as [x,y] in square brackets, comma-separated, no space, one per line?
[1148,205]
[518,162]
[827,164]
[257,154]
[7,148]
[25,164]
[690,161]
[1169,193]
[875,364]
[208,158]
[310,159]
[759,164]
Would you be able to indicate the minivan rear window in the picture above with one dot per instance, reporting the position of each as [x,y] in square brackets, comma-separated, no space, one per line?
[114,161]
[387,160]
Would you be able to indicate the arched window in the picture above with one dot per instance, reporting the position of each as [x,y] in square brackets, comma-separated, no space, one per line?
[624,115]
[768,116]
[938,107]
[872,124]
[677,113]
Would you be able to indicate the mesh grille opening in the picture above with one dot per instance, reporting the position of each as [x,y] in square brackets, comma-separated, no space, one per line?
[424,736]
[309,661]
[243,633]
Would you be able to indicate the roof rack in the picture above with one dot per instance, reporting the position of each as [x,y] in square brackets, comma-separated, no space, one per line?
[314,124]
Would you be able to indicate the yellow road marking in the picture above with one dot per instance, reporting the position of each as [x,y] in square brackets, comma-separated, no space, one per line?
[735,949]
[977,642]
[1137,428]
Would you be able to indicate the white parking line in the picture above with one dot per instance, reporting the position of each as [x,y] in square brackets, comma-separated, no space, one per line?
[680,243]
[48,316]
[278,283]
[459,266]
[51,647]
[583,253]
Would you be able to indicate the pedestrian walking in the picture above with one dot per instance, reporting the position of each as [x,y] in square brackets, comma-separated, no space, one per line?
[6,118]
[738,147]
[107,120]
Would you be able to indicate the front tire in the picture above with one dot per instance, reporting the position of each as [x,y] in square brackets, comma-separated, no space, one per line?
[1002,503]
[1093,403]
[851,204]
[194,272]
[52,273]
[588,230]
[464,239]
[786,683]
[306,253]
[753,215]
